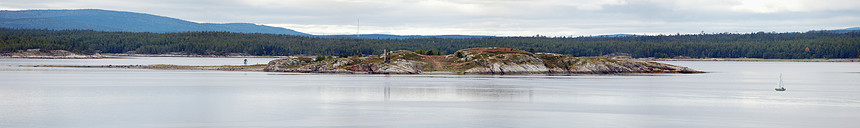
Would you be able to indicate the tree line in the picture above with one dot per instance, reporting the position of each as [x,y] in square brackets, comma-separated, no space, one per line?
[795,45]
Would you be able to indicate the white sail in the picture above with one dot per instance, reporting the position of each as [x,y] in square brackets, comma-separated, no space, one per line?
[780,80]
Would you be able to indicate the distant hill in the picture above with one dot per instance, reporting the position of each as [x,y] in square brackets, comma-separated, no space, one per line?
[119,21]
[846,30]
[853,29]
[619,35]
[388,36]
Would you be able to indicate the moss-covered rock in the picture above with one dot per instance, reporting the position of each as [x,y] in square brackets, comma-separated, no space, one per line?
[568,64]
[282,65]
[506,62]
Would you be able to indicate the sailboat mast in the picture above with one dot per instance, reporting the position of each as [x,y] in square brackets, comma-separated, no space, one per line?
[780,80]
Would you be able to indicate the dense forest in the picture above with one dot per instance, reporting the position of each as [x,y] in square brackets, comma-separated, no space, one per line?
[813,44]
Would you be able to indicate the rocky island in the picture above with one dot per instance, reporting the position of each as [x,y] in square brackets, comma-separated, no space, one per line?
[490,60]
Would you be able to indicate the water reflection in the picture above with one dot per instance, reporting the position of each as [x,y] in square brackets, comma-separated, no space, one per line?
[387,91]
[395,92]
[733,95]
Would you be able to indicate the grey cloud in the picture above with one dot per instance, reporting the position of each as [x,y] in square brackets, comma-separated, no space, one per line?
[554,17]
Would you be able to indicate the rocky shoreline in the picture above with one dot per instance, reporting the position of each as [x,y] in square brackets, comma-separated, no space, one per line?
[164,67]
[63,54]
[49,54]
[750,59]
[193,55]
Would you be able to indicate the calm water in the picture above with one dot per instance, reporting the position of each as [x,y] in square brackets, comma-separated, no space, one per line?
[734,94]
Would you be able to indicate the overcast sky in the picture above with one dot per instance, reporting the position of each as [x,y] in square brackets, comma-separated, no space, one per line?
[494,17]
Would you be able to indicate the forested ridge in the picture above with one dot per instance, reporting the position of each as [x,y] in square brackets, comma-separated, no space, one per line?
[813,44]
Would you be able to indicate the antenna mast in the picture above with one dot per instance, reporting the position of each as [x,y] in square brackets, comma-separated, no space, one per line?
[357,28]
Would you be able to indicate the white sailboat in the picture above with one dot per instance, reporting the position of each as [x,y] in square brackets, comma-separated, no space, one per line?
[780,88]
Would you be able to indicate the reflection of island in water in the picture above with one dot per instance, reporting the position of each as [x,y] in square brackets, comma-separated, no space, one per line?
[451,93]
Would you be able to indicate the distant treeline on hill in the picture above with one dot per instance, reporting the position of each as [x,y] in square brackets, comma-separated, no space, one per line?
[754,45]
